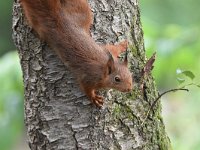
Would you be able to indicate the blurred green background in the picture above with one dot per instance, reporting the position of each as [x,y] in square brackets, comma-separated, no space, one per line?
[171,28]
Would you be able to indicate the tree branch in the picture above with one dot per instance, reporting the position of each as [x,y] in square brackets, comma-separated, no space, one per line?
[160,95]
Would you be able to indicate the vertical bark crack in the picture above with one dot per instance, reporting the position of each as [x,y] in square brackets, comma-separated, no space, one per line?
[74,136]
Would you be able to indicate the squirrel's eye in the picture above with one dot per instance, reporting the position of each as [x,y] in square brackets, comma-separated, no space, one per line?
[117,79]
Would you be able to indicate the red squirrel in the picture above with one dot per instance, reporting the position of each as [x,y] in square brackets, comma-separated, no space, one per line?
[65,26]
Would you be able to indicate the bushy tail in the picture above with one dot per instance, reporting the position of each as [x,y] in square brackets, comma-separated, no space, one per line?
[63,31]
[42,14]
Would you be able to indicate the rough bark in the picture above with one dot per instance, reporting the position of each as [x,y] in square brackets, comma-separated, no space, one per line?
[59,116]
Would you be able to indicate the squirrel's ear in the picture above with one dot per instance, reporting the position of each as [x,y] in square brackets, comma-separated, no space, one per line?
[110,67]
[126,58]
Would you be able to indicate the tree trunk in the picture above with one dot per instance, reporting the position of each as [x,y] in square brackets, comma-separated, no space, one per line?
[59,116]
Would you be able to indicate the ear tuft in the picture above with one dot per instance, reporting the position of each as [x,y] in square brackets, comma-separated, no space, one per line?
[126,58]
[110,64]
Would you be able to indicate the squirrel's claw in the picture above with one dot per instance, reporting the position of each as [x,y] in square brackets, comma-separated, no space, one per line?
[98,101]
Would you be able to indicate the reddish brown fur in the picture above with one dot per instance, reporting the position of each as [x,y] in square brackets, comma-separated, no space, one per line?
[65,26]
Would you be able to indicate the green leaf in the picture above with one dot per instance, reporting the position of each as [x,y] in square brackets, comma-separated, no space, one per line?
[198,85]
[180,80]
[189,74]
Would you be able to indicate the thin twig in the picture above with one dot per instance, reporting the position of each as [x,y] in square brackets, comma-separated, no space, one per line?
[160,95]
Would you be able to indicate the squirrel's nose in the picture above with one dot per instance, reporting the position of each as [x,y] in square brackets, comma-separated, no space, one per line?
[126,90]
[129,88]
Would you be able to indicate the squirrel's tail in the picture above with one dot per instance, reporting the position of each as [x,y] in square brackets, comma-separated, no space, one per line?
[42,14]
[58,24]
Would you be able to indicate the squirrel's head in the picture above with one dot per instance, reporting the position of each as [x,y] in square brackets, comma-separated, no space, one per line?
[117,74]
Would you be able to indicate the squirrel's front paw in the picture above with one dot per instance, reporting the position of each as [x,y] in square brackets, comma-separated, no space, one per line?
[98,101]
